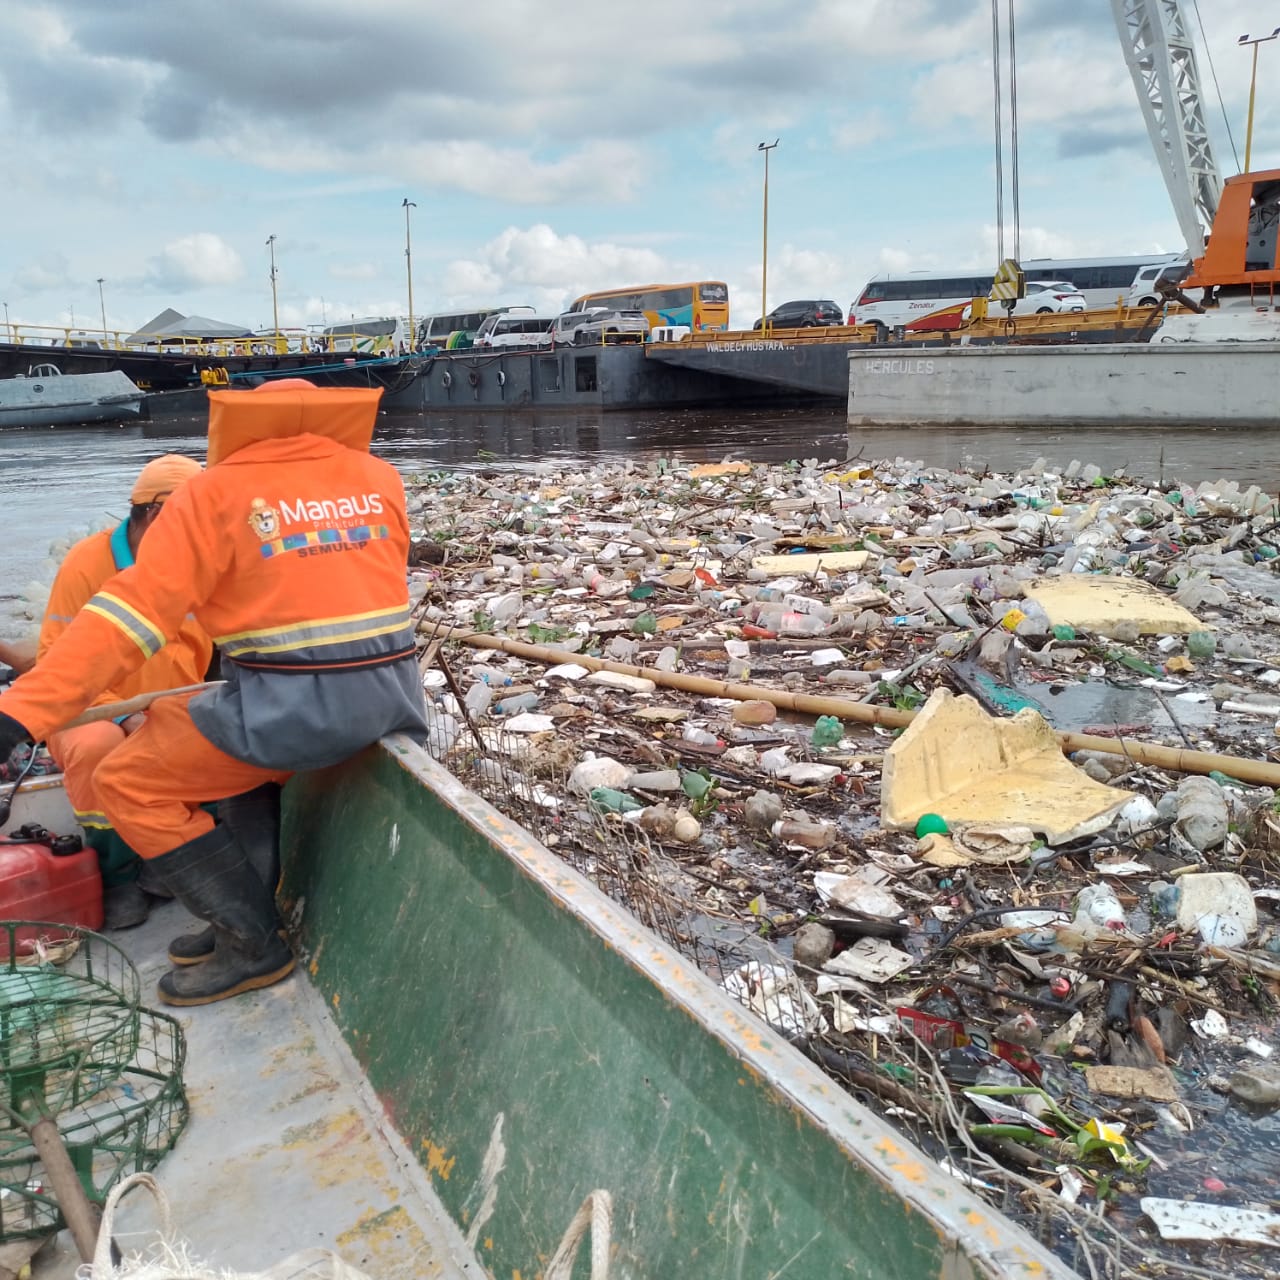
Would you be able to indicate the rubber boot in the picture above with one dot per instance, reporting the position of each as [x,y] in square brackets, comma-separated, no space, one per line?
[124,905]
[254,819]
[212,878]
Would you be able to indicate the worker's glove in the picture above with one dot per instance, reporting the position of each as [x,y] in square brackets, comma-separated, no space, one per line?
[11,734]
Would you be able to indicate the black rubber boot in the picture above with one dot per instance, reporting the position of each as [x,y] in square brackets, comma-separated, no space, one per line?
[254,819]
[212,878]
[124,906]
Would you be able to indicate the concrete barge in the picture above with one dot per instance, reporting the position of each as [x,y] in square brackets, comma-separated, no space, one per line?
[1217,384]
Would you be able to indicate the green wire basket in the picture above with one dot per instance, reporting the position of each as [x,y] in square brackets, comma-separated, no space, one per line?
[77,1048]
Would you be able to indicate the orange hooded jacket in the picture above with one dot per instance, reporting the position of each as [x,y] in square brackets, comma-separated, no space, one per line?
[84,570]
[291,553]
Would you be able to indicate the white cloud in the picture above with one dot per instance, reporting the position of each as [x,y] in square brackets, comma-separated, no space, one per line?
[598,169]
[200,260]
[548,268]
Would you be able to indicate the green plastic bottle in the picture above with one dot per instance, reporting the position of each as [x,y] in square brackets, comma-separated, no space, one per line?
[827,732]
[694,785]
[611,800]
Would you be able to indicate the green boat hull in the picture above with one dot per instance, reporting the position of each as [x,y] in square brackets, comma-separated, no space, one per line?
[532,1042]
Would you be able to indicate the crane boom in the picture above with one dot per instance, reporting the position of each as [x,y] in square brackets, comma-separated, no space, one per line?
[1162,62]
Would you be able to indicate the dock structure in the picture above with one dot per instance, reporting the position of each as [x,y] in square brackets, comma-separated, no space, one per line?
[786,367]
[1136,384]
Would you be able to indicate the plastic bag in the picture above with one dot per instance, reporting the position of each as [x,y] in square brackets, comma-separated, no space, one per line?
[168,1258]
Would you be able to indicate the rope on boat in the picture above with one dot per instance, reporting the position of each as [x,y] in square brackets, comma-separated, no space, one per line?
[595,1213]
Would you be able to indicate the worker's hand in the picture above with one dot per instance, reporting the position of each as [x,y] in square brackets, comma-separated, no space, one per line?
[11,734]
[131,724]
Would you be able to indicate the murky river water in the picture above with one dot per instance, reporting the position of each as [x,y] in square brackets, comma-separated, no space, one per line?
[59,483]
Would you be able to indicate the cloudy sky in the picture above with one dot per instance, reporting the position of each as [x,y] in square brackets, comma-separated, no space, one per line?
[553,146]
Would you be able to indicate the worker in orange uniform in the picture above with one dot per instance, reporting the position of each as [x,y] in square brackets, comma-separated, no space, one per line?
[184,661]
[291,550]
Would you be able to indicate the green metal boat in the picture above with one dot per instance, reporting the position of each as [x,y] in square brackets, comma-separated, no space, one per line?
[532,1042]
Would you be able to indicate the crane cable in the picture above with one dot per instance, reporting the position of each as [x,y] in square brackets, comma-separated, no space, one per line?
[1213,71]
[995,71]
[1013,136]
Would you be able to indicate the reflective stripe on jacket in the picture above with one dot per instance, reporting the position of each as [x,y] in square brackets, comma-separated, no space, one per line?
[291,553]
[85,569]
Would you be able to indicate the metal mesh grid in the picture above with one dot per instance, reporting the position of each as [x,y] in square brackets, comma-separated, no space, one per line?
[76,1046]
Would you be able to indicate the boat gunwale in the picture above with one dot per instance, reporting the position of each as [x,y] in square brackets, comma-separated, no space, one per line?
[977,1233]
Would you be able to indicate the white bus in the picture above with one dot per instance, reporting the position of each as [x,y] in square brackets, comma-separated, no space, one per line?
[452,329]
[380,335]
[937,299]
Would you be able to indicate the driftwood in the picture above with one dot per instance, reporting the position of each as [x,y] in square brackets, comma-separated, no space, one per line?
[1175,759]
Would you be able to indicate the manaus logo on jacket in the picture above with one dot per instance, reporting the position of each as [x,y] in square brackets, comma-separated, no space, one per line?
[268,522]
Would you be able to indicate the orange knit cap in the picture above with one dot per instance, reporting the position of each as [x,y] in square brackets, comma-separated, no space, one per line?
[161,476]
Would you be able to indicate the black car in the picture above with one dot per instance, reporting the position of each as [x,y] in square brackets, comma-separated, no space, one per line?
[803,315]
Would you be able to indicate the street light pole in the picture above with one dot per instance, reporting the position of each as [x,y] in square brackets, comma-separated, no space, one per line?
[1253,84]
[766,147]
[8,331]
[406,205]
[275,308]
[102,306]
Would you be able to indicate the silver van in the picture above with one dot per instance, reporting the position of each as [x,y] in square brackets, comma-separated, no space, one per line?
[1144,291]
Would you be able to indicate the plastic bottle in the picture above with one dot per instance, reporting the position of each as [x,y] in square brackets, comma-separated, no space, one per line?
[666,659]
[1202,817]
[519,702]
[478,698]
[1098,909]
[691,733]
[806,605]
[812,835]
[442,733]
[694,785]
[611,800]
[789,623]
[657,780]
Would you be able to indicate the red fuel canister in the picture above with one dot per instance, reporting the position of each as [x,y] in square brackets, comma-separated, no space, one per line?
[37,884]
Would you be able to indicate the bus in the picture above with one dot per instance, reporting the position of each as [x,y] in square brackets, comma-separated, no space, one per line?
[698,305]
[937,299]
[453,329]
[380,335]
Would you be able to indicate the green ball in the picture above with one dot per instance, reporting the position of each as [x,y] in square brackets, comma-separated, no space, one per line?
[931,824]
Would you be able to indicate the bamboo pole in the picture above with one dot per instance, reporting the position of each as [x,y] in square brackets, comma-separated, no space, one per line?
[1176,759]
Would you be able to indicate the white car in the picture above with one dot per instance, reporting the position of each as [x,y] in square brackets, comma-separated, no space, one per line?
[1044,296]
[607,325]
[569,322]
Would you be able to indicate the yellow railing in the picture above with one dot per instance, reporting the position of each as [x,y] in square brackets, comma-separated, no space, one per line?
[53,337]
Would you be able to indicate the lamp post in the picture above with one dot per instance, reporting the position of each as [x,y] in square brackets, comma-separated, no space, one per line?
[275,308]
[8,331]
[406,204]
[1253,84]
[102,307]
[766,147]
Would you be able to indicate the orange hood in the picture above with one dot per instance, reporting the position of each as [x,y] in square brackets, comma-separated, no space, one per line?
[290,407]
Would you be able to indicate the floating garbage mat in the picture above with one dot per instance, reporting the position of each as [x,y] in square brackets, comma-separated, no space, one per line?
[76,1047]
[1045,942]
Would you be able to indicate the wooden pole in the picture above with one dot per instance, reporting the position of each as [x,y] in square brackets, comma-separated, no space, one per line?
[1176,759]
[112,710]
[81,1215]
